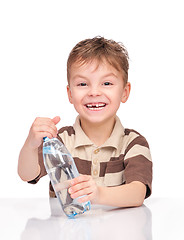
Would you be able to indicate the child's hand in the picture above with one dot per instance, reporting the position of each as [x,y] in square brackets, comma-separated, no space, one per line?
[84,185]
[42,127]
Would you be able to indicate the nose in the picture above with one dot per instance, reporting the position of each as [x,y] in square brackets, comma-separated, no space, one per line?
[94,91]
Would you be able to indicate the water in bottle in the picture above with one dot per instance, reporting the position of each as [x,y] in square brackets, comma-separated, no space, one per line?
[61,168]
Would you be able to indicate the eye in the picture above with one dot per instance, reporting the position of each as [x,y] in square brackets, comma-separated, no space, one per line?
[82,84]
[107,83]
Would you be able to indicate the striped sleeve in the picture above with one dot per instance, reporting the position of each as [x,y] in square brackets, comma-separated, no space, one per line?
[137,161]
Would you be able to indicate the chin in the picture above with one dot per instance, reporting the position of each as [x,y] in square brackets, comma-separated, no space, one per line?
[97,120]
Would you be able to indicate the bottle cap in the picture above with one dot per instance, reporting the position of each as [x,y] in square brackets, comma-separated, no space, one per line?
[45,139]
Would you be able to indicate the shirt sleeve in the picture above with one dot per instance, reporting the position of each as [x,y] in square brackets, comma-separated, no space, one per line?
[138,163]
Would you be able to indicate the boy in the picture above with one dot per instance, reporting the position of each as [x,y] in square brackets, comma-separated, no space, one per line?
[114,163]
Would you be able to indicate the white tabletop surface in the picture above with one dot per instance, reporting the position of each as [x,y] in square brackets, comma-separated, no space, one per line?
[42,219]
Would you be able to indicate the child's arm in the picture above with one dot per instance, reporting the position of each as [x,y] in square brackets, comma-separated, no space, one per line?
[28,167]
[127,195]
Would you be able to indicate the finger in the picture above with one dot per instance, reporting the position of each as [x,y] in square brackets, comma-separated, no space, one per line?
[44,121]
[79,186]
[52,124]
[45,128]
[56,119]
[61,186]
[86,198]
[78,194]
[81,178]
[85,194]
[46,134]
[82,192]
[47,121]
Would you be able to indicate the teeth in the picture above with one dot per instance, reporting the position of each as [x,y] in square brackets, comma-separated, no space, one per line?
[98,105]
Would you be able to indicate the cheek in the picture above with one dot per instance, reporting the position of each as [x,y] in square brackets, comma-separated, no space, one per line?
[77,99]
[117,100]
[116,96]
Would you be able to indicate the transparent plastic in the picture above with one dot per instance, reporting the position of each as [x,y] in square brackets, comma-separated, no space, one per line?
[61,168]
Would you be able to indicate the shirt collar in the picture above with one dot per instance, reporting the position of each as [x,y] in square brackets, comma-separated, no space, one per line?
[116,135]
[81,139]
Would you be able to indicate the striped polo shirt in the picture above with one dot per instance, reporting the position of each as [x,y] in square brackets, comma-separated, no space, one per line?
[123,158]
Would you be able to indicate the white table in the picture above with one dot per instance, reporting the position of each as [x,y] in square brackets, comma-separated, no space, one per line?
[42,219]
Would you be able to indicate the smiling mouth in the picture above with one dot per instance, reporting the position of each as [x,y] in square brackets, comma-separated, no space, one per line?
[95,106]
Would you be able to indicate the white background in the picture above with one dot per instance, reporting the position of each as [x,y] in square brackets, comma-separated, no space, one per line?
[35,40]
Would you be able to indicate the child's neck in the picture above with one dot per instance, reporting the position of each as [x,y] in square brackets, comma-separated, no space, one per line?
[98,133]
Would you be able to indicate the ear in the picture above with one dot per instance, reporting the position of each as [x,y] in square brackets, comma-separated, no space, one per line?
[126,92]
[69,94]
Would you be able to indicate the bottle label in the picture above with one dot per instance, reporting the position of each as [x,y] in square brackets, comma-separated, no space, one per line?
[48,150]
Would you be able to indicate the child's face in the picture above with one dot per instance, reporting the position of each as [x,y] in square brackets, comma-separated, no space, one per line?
[96,91]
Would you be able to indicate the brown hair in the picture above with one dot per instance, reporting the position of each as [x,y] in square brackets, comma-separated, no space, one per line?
[100,49]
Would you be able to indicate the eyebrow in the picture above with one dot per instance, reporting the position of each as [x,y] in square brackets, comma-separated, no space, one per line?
[79,76]
[110,75]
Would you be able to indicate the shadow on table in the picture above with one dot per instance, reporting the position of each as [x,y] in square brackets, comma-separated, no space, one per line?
[100,222]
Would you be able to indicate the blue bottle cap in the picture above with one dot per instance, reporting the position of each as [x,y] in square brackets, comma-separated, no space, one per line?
[45,139]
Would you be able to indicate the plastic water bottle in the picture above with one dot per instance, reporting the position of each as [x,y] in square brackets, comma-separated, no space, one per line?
[61,168]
